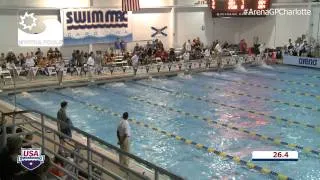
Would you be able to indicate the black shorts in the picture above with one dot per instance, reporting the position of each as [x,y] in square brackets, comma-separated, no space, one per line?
[66,132]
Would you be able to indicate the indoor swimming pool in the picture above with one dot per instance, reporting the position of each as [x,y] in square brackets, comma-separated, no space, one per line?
[280,102]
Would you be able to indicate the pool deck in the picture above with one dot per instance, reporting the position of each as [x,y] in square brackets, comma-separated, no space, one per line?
[78,81]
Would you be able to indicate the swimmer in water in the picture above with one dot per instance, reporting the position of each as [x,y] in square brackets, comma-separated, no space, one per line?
[26,94]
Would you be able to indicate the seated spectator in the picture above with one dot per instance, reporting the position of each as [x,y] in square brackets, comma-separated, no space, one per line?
[243,46]
[135,60]
[28,140]
[29,61]
[225,45]
[43,63]
[123,46]
[56,50]
[136,48]
[22,60]
[2,60]
[39,173]
[188,46]
[56,171]
[39,53]
[8,158]
[50,53]
[164,55]
[172,55]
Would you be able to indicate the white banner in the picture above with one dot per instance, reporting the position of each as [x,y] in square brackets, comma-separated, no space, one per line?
[302,61]
[94,25]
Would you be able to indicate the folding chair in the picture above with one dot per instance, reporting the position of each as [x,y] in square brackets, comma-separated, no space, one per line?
[52,71]
[6,75]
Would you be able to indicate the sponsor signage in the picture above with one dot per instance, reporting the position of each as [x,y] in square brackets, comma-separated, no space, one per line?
[302,61]
[95,25]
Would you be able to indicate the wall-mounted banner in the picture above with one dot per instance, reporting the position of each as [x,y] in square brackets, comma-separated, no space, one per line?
[94,25]
[159,31]
[302,61]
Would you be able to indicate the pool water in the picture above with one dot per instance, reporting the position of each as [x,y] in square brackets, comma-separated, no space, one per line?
[186,160]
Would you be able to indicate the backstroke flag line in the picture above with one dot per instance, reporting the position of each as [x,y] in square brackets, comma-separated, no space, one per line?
[130,5]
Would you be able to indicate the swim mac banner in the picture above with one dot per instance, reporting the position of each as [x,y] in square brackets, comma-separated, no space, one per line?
[94,25]
[302,61]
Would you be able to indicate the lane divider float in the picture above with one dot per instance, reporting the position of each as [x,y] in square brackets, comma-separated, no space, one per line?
[276,141]
[266,99]
[276,118]
[283,91]
[297,74]
[262,98]
[281,80]
[248,164]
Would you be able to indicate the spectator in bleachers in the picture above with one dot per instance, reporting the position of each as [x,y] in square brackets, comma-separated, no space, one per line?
[11,58]
[98,61]
[21,60]
[28,140]
[207,54]
[164,55]
[136,48]
[8,158]
[117,46]
[39,53]
[50,53]
[127,58]
[243,46]
[57,52]
[188,46]
[39,173]
[172,55]
[29,61]
[2,60]
[123,46]
[135,60]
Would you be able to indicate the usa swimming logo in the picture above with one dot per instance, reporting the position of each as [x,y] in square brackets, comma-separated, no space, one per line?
[30,158]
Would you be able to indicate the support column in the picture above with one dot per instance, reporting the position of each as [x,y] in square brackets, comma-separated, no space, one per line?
[90,3]
[174,25]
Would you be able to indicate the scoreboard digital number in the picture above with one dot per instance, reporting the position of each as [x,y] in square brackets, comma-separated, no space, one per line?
[229,8]
[275,156]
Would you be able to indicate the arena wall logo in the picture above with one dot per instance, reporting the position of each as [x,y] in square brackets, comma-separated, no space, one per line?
[95,25]
[97,19]
[308,61]
[36,30]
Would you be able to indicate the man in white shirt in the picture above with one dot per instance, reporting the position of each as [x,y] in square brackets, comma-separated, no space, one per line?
[29,61]
[218,50]
[90,64]
[186,56]
[135,60]
[90,61]
[188,46]
[123,134]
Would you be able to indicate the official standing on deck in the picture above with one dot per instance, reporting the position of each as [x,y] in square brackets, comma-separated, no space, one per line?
[64,124]
[124,133]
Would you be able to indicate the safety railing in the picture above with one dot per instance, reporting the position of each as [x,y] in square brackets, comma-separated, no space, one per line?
[93,157]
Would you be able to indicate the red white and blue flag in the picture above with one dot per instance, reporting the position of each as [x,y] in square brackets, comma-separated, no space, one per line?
[130,5]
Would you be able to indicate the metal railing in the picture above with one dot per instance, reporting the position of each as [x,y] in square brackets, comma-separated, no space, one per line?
[87,148]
